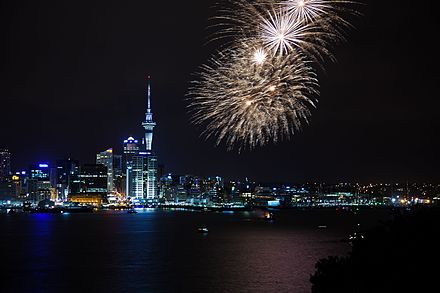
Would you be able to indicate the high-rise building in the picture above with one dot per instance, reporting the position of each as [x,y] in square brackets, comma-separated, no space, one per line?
[137,178]
[106,158]
[67,172]
[117,164]
[40,172]
[5,165]
[151,192]
[131,149]
[39,185]
[92,182]
[142,172]
[118,174]
[93,179]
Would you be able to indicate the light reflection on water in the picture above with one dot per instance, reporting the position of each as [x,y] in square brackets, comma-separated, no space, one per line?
[161,251]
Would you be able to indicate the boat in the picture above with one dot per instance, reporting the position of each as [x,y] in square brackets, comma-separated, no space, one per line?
[268,216]
[132,211]
[202,230]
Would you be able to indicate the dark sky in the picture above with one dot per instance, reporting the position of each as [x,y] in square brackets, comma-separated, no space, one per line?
[73,83]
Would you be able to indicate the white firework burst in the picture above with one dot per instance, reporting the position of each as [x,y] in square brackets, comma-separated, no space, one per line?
[308,10]
[261,86]
[281,33]
[245,104]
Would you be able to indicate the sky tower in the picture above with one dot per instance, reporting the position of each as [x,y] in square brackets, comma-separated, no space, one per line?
[148,124]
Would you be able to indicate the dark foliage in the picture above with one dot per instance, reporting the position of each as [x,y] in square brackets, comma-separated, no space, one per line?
[398,256]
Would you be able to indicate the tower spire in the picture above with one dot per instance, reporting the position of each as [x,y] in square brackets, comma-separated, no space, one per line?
[149,95]
[148,124]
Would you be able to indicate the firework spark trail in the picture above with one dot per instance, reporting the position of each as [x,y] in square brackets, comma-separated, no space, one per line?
[261,88]
[313,28]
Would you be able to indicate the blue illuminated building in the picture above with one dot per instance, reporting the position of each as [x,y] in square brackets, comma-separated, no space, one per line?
[39,186]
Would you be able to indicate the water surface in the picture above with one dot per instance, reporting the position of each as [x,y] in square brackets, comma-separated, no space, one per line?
[161,251]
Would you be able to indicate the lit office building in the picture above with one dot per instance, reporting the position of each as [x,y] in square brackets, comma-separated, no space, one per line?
[38,185]
[142,178]
[90,185]
[93,179]
[137,178]
[67,171]
[151,193]
[106,159]
[118,174]
[131,149]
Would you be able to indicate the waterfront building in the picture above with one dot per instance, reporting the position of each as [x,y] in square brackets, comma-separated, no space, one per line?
[90,185]
[214,188]
[151,192]
[67,170]
[93,179]
[7,190]
[106,159]
[93,199]
[136,178]
[143,181]
[131,149]
[166,188]
[39,186]
[118,174]
[5,165]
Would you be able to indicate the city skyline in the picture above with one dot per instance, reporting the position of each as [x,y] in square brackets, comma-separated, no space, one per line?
[69,94]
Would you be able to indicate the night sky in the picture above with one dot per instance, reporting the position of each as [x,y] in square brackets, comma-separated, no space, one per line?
[73,83]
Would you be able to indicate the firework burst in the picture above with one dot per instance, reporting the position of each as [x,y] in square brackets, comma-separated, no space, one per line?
[261,86]
[277,27]
[246,101]
[308,10]
[281,32]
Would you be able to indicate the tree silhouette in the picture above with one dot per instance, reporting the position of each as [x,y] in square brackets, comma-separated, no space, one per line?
[399,256]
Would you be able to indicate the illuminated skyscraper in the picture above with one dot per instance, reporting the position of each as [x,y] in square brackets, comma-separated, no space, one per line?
[131,149]
[151,192]
[137,178]
[67,171]
[106,158]
[38,185]
[5,165]
[118,174]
